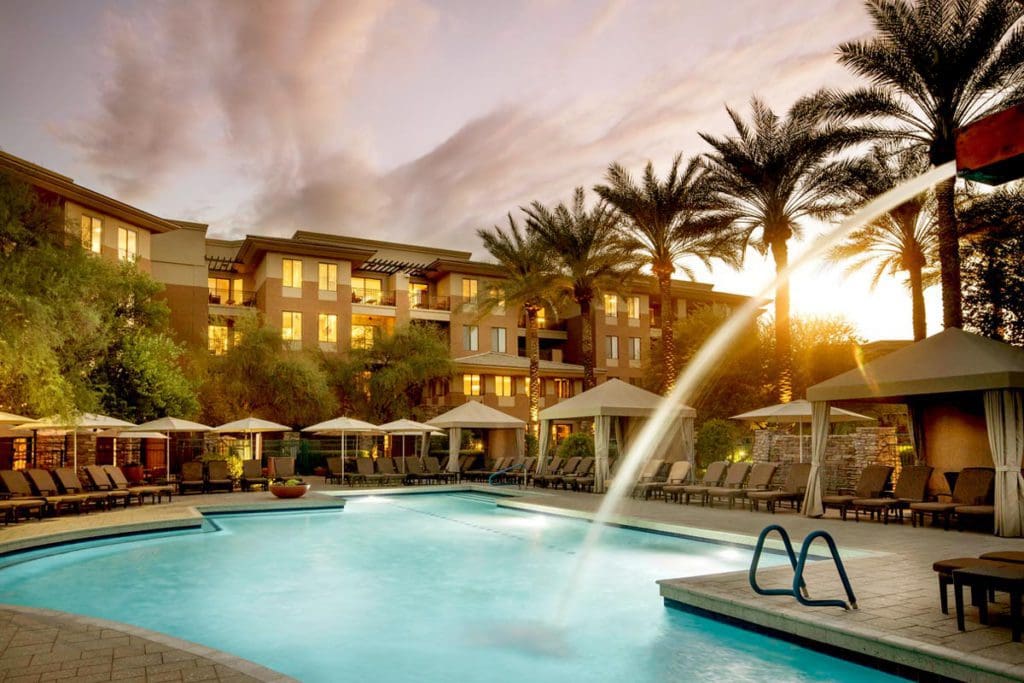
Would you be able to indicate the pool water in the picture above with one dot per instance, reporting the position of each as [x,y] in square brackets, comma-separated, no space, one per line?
[422,588]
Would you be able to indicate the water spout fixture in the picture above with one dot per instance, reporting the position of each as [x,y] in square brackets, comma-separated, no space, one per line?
[991,150]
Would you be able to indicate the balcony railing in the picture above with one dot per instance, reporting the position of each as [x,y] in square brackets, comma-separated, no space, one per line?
[373,298]
[247,299]
[431,303]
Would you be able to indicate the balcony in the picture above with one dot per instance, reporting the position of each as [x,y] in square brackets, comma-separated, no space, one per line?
[238,298]
[430,303]
[373,298]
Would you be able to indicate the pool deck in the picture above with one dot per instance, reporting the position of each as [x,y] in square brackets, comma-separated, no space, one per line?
[898,619]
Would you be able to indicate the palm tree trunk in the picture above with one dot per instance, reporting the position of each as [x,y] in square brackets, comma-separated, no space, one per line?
[783,333]
[668,321]
[949,255]
[587,342]
[917,303]
[533,353]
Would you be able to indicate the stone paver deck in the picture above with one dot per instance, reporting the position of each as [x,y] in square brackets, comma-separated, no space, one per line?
[898,617]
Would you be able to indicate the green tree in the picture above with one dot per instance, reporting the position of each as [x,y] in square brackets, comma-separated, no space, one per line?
[772,174]
[936,66]
[530,283]
[904,239]
[387,381]
[669,219]
[717,439]
[823,347]
[590,256]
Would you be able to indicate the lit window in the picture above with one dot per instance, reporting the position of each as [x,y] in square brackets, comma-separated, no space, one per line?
[611,346]
[328,277]
[633,307]
[217,339]
[499,342]
[526,386]
[220,290]
[327,328]
[363,336]
[92,234]
[542,319]
[634,348]
[469,288]
[418,295]
[502,385]
[127,244]
[291,273]
[611,304]
[366,290]
[471,385]
[291,326]
[471,337]
[563,388]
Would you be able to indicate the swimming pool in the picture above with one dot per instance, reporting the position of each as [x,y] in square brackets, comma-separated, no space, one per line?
[421,588]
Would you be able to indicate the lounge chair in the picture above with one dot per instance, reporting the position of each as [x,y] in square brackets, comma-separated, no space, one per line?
[218,477]
[21,497]
[483,472]
[910,488]
[792,490]
[583,470]
[334,470]
[654,471]
[72,485]
[678,475]
[283,467]
[973,487]
[252,475]
[100,482]
[873,480]
[554,470]
[568,468]
[761,475]
[386,467]
[415,472]
[713,477]
[191,477]
[587,483]
[47,489]
[155,492]
[433,471]
[366,472]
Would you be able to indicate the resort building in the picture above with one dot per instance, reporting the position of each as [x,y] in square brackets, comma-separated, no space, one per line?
[333,293]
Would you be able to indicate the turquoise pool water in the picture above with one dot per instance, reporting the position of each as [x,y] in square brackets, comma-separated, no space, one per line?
[421,588]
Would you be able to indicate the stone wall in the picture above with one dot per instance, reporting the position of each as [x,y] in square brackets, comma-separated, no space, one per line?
[845,456]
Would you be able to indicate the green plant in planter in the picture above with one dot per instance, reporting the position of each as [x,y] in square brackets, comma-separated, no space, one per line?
[717,440]
[577,444]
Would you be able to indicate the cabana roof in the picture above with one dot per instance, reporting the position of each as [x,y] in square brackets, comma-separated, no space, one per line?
[613,398]
[475,415]
[950,361]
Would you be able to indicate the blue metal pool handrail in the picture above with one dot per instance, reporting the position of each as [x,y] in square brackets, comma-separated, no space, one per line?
[799,589]
[495,475]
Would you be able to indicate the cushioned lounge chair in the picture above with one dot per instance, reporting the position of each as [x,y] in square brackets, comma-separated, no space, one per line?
[432,466]
[334,470]
[71,485]
[21,499]
[873,480]
[218,477]
[678,475]
[587,483]
[156,492]
[760,479]
[792,490]
[191,477]
[561,466]
[99,481]
[654,471]
[386,467]
[713,477]
[910,488]
[367,473]
[47,489]
[414,471]
[283,466]
[252,475]
[973,487]
[583,470]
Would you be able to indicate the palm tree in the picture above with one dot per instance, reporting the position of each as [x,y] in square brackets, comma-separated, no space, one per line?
[591,256]
[772,174]
[935,66]
[530,283]
[904,239]
[669,220]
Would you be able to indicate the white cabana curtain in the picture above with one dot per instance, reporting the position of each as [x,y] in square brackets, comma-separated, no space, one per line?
[542,443]
[619,431]
[454,441]
[602,434]
[819,440]
[425,445]
[1004,417]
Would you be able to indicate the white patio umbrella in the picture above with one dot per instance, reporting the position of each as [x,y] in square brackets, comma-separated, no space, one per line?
[12,419]
[249,426]
[409,428]
[82,422]
[798,412]
[343,426]
[166,425]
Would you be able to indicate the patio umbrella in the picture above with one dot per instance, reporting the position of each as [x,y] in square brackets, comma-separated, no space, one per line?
[167,425]
[798,412]
[12,419]
[343,426]
[408,428]
[75,424]
[249,426]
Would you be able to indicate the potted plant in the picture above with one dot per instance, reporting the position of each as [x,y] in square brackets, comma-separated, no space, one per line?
[289,488]
[133,472]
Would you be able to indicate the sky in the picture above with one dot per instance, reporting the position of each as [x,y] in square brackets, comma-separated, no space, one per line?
[413,120]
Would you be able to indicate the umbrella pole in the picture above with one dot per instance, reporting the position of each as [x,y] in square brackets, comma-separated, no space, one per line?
[115,451]
[167,458]
[343,458]
[801,437]
[74,435]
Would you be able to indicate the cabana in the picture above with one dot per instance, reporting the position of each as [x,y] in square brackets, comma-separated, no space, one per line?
[475,415]
[965,395]
[630,407]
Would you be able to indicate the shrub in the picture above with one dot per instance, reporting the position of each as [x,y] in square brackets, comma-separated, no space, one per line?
[717,440]
[234,462]
[576,445]
[532,446]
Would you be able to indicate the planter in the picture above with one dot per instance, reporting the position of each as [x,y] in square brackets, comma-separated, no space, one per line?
[289,490]
[133,473]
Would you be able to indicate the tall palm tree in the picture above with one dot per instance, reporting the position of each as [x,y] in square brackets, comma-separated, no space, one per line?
[904,239]
[530,283]
[772,174]
[669,219]
[935,66]
[591,256]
